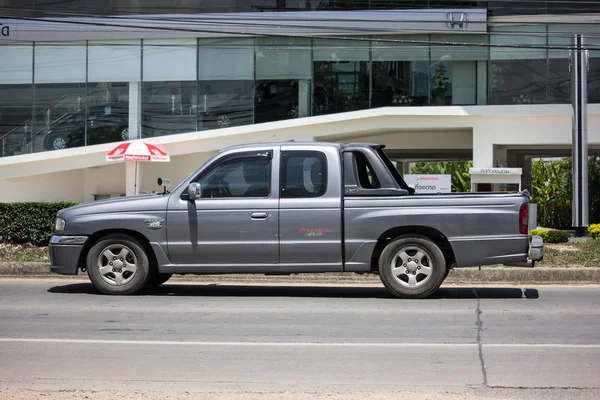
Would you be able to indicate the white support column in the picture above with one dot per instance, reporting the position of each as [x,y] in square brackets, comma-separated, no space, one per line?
[133,178]
[303,98]
[483,149]
[135,110]
[500,157]
[526,181]
[90,186]
[406,168]
[464,87]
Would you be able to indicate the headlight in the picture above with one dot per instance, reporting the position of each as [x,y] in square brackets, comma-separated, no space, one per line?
[59,224]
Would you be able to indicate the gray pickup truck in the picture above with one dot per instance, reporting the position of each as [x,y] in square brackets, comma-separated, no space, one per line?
[288,208]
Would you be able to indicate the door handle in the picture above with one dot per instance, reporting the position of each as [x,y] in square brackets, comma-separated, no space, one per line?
[258,215]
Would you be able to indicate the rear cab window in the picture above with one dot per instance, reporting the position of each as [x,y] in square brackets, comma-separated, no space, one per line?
[303,174]
[367,178]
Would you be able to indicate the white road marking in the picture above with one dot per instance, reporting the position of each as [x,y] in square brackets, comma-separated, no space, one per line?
[298,344]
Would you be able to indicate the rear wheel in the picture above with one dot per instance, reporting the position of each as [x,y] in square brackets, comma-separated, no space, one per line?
[412,267]
[118,264]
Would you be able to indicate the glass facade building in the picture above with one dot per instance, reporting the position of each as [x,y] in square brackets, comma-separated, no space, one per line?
[49,8]
[69,93]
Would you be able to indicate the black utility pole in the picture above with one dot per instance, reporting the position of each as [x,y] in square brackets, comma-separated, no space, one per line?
[578,65]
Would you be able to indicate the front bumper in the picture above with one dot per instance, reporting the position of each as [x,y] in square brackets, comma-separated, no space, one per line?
[535,253]
[64,253]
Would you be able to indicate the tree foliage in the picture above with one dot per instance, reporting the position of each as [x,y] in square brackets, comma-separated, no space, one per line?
[552,191]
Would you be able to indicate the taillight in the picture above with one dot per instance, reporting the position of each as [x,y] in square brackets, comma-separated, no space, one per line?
[524,219]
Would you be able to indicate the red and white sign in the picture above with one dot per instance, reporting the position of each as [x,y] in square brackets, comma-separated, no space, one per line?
[429,183]
[137,151]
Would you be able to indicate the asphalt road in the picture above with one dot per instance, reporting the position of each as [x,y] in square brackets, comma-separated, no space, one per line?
[539,341]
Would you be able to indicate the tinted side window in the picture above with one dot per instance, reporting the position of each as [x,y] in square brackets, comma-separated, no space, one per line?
[303,174]
[243,177]
[366,175]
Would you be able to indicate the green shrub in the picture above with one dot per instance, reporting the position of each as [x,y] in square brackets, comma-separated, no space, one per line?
[551,235]
[594,231]
[30,222]
[552,191]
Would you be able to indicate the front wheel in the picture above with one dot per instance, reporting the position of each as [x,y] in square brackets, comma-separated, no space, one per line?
[412,267]
[118,264]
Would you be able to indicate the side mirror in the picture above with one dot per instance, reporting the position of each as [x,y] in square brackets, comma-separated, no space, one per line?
[164,182]
[194,191]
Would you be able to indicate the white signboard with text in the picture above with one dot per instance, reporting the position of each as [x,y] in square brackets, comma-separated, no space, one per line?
[429,183]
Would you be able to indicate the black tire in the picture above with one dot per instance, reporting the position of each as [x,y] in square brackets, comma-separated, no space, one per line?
[427,257]
[108,282]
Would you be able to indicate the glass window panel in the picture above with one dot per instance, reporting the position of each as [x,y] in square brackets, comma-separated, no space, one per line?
[502,7]
[225,103]
[17,63]
[60,115]
[114,61]
[283,58]
[278,5]
[594,81]
[572,7]
[561,35]
[108,112]
[335,50]
[517,82]
[518,36]
[464,47]
[220,59]
[169,60]
[15,119]
[559,81]
[441,82]
[276,100]
[400,83]
[60,63]
[168,108]
[559,77]
[463,82]
[401,48]
[340,86]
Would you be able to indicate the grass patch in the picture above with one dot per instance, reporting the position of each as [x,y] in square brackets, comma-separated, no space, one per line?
[23,253]
[575,253]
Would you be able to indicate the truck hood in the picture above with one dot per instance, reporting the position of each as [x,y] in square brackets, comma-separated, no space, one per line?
[119,204]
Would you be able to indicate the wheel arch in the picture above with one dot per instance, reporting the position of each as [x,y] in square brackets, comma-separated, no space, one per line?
[426,232]
[97,236]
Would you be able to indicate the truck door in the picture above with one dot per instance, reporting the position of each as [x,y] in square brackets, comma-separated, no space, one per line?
[235,222]
[310,208]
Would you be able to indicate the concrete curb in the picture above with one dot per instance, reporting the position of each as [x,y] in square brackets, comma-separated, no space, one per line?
[556,275]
